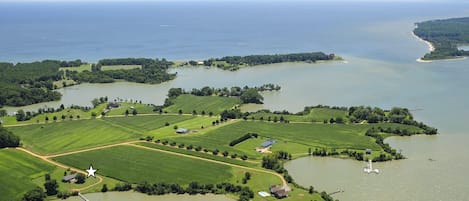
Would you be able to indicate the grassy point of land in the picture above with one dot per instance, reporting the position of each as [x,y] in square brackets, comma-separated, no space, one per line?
[215,104]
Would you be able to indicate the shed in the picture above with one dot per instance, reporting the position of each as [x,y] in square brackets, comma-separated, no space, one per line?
[182,130]
[268,143]
[367,151]
[69,178]
[113,105]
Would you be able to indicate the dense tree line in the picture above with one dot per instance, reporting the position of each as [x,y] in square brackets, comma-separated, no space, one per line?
[308,109]
[243,138]
[8,139]
[386,147]
[252,60]
[28,83]
[274,161]
[153,71]
[246,94]
[195,188]
[445,35]
[75,63]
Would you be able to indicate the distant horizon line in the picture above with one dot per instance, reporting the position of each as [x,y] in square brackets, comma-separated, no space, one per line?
[219,1]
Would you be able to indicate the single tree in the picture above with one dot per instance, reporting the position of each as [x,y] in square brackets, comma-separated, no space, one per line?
[104,188]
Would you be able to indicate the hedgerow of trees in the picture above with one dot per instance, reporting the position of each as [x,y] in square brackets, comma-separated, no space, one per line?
[235,61]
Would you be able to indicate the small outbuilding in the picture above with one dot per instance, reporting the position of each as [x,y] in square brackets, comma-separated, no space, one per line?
[69,178]
[113,105]
[269,142]
[182,131]
[368,151]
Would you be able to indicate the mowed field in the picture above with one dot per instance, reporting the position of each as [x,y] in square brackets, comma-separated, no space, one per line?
[293,137]
[187,103]
[316,115]
[66,136]
[136,165]
[141,109]
[17,170]
[148,123]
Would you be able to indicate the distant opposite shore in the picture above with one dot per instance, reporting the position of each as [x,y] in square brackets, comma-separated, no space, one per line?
[444,37]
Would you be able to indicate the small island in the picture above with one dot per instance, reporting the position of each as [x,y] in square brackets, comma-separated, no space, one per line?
[444,38]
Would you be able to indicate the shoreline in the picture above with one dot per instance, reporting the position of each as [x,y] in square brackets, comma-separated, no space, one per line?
[431,48]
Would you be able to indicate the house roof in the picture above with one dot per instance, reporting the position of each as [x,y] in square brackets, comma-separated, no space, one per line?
[268,142]
[279,191]
[182,130]
[69,177]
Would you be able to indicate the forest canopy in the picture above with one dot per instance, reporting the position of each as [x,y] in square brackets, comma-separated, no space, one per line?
[445,36]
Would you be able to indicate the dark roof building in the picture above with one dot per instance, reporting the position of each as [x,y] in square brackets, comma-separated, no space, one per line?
[268,143]
[279,191]
[368,151]
[69,177]
[182,130]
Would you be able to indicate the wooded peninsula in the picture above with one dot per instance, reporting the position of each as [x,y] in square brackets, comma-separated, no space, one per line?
[29,83]
[445,36]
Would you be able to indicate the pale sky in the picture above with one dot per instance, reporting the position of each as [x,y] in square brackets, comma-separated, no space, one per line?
[231,0]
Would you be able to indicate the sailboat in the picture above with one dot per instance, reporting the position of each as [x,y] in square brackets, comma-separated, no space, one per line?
[369,168]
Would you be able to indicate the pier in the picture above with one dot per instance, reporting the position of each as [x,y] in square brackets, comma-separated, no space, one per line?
[83,197]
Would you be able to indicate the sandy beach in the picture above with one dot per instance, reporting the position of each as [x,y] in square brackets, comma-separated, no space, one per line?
[431,48]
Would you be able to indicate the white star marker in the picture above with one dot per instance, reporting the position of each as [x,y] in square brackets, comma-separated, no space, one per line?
[91,171]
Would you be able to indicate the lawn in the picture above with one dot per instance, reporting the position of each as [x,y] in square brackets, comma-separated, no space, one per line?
[141,109]
[200,154]
[136,165]
[187,103]
[120,67]
[18,169]
[148,123]
[71,135]
[315,115]
[193,124]
[41,118]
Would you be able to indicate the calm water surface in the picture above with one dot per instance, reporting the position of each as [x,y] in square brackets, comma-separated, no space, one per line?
[374,38]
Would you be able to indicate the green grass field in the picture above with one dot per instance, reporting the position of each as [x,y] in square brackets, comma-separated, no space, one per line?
[148,123]
[201,154]
[78,69]
[71,135]
[193,124]
[41,118]
[18,169]
[294,137]
[141,109]
[136,165]
[316,115]
[120,67]
[187,103]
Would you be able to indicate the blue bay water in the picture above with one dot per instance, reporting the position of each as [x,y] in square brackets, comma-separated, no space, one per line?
[374,38]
